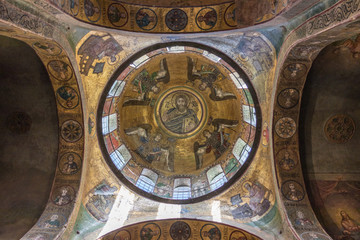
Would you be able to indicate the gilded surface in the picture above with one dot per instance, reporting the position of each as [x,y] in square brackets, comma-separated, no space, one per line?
[162,19]
[180,229]
[169,114]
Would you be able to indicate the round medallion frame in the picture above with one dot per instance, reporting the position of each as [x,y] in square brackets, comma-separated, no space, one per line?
[173,93]
[257,128]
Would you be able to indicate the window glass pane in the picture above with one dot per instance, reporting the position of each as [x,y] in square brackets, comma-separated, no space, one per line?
[181,193]
[218,181]
[105,125]
[145,184]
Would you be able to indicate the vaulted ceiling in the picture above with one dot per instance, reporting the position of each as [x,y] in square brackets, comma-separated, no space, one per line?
[246,121]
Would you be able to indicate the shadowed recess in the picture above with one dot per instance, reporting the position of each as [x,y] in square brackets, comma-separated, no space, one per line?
[29,138]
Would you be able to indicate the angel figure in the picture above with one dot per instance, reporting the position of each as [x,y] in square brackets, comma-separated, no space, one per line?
[217,141]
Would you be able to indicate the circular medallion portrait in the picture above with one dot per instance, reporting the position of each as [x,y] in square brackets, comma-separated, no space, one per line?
[48,48]
[179,122]
[122,235]
[63,195]
[92,9]
[150,231]
[229,15]
[288,98]
[74,7]
[67,97]
[206,18]
[117,14]
[146,19]
[287,159]
[237,235]
[209,232]
[294,71]
[69,163]
[60,70]
[181,111]
[292,191]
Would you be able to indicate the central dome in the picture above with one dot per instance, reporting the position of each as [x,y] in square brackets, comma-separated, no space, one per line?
[178,122]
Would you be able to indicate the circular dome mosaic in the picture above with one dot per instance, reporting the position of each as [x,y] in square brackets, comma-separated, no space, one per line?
[179,123]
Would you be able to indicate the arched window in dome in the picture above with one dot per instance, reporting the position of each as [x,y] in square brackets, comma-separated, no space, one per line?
[182,189]
[216,177]
[147,180]
[241,150]
[249,115]
[116,89]
[120,157]
[109,123]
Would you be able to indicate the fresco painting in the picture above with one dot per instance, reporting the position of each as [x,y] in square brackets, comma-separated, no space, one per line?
[340,201]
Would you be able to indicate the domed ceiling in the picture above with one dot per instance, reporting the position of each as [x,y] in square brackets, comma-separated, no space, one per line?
[185,122]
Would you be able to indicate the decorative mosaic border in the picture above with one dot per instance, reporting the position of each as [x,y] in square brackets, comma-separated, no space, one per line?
[141,18]
[179,229]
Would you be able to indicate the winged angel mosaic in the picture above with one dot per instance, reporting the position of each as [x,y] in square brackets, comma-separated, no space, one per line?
[180,112]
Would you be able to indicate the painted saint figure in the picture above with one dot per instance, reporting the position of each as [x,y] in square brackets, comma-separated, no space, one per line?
[115,15]
[90,9]
[259,196]
[216,141]
[208,75]
[209,18]
[53,222]
[70,166]
[180,119]
[61,69]
[63,198]
[301,220]
[148,233]
[149,147]
[48,47]
[143,19]
[213,234]
[146,83]
[349,225]
[294,194]
[286,162]
[68,94]
[258,204]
